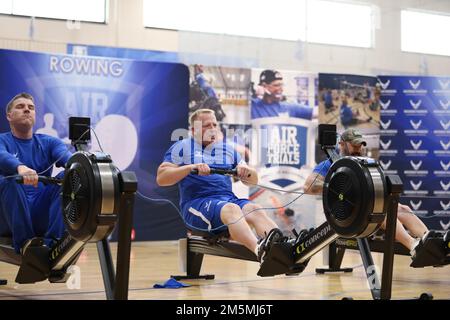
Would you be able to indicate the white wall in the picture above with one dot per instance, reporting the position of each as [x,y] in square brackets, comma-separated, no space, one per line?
[125,29]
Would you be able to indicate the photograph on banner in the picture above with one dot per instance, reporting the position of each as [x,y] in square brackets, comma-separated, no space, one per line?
[226,91]
[284,119]
[283,93]
[351,101]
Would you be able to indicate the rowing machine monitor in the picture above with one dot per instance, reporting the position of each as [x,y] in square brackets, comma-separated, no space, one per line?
[79,132]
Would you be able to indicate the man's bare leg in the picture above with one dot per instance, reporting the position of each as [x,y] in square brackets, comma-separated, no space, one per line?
[240,231]
[258,219]
[401,235]
[411,221]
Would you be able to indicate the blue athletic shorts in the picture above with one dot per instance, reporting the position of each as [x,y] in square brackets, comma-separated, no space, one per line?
[204,214]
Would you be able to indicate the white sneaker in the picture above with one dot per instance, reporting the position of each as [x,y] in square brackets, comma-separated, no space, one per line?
[265,244]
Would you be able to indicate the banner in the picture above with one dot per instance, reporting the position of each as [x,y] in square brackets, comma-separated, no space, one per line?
[415,143]
[283,119]
[134,107]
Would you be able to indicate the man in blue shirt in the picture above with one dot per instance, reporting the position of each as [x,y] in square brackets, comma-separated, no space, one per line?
[206,200]
[350,117]
[270,102]
[328,101]
[30,213]
[350,144]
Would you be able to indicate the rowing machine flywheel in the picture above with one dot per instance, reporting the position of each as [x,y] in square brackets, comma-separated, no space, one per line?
[90,196]
[353,196]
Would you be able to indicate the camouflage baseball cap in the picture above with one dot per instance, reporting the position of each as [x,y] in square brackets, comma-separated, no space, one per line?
[353,136]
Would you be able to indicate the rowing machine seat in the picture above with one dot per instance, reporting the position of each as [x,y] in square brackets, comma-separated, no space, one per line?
[212,238]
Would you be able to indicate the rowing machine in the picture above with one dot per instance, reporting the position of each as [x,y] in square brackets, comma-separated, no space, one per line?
[96,197]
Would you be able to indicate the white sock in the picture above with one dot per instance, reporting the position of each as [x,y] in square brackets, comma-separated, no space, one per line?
[256,250]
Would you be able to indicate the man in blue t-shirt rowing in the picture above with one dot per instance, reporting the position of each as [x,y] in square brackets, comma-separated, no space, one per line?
[29,213]
[207,201]
[350,144]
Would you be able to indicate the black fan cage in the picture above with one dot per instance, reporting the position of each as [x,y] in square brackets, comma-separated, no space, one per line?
[342,196]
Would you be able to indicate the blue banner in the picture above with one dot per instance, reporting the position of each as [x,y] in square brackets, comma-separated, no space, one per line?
[134,107]
[415,143]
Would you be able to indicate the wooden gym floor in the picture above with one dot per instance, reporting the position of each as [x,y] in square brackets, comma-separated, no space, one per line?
[154,262]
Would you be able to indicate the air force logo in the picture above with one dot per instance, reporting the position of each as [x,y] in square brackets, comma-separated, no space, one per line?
[416,166]
[385,105]
[445,146]
[414,85]
[416,186]
[445,166]
[444,105]
[445,226]
[415,145]
[386,145]
[445,206]
[444,84]
[385,166]
[444,186]
[415,125]
[415,206]
[445,125]
[385,125]
[415,105]
[384,86]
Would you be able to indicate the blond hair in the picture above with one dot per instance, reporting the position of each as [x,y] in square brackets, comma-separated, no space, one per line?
[197,113]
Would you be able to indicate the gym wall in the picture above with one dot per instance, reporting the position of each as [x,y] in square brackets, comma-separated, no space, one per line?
[125,29]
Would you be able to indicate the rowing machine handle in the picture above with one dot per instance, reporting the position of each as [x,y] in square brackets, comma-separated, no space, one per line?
[43,179]
[231,172]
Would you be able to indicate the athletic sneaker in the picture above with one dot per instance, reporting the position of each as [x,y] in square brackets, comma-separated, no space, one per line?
[416,244]
[35,264]
[266,243]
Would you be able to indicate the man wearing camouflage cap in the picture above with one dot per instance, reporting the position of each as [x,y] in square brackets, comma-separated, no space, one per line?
[350,144]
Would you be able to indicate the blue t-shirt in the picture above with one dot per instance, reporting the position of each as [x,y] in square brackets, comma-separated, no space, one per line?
[346,114]
[218,155]
[261,109]
[37,153]
[322,168]
[328,98]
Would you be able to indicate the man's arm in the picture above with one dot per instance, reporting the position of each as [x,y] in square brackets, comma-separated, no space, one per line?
[169,174]
[314,184]
[11,165]
[8,162]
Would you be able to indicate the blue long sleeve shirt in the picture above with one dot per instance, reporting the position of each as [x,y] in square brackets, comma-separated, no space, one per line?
[37,153]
